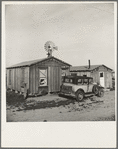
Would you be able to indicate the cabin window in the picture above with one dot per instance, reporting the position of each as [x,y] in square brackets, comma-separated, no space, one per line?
[42,77]
[9,77]
[101,74]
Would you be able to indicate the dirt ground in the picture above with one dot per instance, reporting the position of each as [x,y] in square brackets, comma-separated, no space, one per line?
[54,108]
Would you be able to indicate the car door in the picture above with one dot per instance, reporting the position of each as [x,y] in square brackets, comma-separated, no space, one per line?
[85,85]
[90,85]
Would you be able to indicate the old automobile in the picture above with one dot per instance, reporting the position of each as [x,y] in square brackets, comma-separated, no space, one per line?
[78,86]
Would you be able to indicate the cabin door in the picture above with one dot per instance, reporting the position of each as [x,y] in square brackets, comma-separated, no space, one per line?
[101,75]
[54,79]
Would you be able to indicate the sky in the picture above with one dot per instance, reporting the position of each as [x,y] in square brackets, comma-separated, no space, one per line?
[81,31]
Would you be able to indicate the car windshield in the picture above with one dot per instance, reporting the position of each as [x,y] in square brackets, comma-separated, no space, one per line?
[68,80]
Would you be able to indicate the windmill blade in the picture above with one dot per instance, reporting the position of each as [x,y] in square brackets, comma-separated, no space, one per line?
[50,47]
[55,48]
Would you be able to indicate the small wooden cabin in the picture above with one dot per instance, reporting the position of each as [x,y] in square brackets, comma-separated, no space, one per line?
[43,75]
[100,73]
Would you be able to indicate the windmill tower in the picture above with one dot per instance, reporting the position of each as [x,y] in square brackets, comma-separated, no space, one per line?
[50,47]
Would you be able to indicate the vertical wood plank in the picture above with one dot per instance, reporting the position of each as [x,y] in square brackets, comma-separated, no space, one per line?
[51,80]
[36,80]
[60,80]
[57,78]
[49,88]
[16,79]
[33,83]
[19,79]
[7,78]
[29,79]
[58,84]
[11,78]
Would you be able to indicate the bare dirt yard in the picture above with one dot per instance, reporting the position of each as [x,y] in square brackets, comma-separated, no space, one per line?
[54,108]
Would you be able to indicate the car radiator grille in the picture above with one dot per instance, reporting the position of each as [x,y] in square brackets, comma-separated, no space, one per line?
[66,89]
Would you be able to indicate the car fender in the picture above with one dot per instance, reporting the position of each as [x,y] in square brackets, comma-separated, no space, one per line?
[75,88]
[80,89]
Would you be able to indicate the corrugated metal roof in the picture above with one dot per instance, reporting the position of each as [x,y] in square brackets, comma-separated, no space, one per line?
[28,63]
[86,68]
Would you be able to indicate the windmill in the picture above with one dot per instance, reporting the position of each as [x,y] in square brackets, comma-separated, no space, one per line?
[50,47]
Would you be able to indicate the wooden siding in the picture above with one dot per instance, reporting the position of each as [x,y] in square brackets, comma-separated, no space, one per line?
[54,79]
[7,78]
[53,76]
[16,78]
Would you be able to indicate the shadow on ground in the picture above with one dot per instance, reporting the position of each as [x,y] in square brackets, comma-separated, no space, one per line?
[16,100]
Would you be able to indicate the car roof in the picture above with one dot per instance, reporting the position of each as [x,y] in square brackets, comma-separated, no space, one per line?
[78,77]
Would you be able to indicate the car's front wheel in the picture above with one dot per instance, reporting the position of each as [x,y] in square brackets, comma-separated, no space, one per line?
[79,96]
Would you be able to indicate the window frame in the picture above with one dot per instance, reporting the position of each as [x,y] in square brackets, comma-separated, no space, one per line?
[39,78]
[102,75]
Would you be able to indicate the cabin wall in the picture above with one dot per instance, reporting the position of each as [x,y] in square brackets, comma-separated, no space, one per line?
[16,76]
[53,77]
[7,77]
[65,71]
[107,76]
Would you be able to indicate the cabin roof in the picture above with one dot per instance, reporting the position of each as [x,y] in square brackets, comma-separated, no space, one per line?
[86,68]
[29,63]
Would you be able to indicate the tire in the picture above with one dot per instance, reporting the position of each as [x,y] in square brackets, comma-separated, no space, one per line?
[79,96]
[95,89]
[101,92]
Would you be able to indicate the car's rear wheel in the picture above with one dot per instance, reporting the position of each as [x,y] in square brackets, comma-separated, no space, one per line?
[95,89]
[100,92]
[79,96]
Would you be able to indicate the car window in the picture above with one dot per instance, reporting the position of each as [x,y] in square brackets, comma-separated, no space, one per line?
[67,80]
[90,81]
[85,81]
[79,81]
